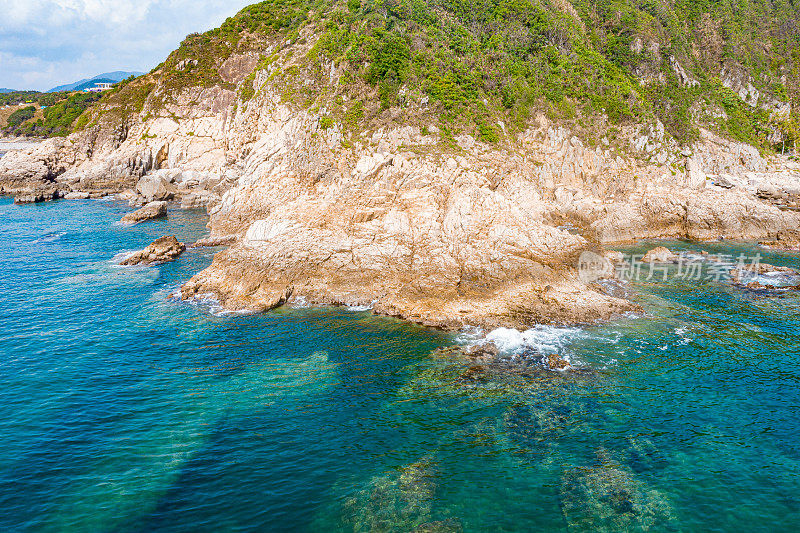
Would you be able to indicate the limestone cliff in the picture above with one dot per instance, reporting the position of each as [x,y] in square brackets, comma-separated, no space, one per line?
[344,184]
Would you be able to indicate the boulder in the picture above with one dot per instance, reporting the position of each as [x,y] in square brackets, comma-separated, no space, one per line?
[194,201]
[768,191]
[659,254]
[161,250]
[556,362]
[149,212]
[154,188]
[727,181]
[77,195]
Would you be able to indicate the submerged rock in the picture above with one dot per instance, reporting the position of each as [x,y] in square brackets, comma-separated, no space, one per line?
[752,276]
[482,371]
[396,501]
[488,355]
[659,254]
[485,353]
[643,455]
[536,429]
[161,250]
[608,497]
[555,362]
[151,211]
[452,525]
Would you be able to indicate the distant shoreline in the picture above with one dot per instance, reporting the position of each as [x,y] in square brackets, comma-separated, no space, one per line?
[16,143]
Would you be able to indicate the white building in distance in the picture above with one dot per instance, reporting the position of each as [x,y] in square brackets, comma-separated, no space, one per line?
[100,87]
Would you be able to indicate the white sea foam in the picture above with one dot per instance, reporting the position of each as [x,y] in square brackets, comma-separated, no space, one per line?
[120,257]
[361,308]
[299,302]
[209,302]
[682,332]
[470,335]
[777,280]
[543,339]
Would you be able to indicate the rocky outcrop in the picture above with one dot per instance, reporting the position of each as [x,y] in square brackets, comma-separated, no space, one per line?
[659,254]
[159,251]
[489,359]
[150,211]
[784,240]
[765,277]
[35,196]
[210,242]
[155,187]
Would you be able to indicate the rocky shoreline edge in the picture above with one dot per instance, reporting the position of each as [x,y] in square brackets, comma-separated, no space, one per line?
[485,239]
[556,297]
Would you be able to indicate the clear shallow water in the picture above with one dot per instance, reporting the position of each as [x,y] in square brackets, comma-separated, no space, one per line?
[127,411]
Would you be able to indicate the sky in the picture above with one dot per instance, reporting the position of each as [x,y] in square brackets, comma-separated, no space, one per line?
[46,43]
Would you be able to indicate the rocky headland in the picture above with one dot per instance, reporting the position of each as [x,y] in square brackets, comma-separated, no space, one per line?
[326,191]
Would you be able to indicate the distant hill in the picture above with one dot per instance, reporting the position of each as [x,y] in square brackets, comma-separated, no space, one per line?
[7,91]
[94,82]
[108,77]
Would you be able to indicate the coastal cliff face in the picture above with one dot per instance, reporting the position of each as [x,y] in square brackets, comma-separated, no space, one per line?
[343,185]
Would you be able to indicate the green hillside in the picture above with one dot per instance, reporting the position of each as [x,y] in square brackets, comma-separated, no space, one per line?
[487,66]
[36,114]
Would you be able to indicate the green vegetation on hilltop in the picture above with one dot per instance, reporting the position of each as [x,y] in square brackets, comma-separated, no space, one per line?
[486,67]
[484,61]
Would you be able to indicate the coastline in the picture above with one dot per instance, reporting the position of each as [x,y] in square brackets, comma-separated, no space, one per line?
[469,233]
[477,256]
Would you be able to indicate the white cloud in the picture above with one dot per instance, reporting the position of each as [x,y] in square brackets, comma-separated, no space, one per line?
[44,43]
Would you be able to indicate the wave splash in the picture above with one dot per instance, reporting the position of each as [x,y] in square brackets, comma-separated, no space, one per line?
[542,339]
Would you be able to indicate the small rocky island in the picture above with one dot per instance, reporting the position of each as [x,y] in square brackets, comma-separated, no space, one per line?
[161,250]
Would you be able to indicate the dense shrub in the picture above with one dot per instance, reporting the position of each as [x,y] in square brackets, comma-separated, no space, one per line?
[20,116]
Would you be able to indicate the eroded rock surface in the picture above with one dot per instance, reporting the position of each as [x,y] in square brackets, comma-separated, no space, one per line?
[35,196]
[159,251]
[150,211]
[784,240]
[210,242]
[659,254]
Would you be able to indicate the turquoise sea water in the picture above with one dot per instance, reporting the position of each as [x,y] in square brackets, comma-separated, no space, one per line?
[125,410]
